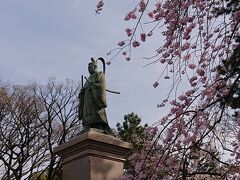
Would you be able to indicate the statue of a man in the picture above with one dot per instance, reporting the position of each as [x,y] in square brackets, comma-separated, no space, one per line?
[93,100]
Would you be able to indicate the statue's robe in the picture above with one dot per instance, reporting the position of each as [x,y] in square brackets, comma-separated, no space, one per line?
[93,101]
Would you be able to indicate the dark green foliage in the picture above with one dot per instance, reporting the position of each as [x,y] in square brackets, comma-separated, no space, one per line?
[131,130]
[232,6]
[230,70]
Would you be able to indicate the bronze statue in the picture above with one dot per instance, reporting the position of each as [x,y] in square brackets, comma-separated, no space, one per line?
[93,99]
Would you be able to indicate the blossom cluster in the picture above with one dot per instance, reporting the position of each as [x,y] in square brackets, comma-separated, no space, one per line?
[99,6]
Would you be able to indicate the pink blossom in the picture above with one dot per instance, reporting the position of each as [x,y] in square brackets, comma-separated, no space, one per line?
[236,16]
[187,101]
[216,30]
[162,61]
[191,18]
[155,84]
[186,36]
[128,58]
[150,14]
[127,17]
[161,105]
[121,43]
[203,79]
[142,6]
[129,31]
[194,47]
[171,50]
[165,55]
[163,120]
[190,92]
[201,72]
[173,102]
[207,45]
[209,36]
[219,35]
[150,33]
[220,54]
[135,44]
[209,17]
[192,66]
[143,37]
[99,6]
[187,57]
[166,100]
[185,46]
[182,97]
[158,6]
[193,84]
[192,79]
[168,43]
[177,52]
[130,15]
[157,17]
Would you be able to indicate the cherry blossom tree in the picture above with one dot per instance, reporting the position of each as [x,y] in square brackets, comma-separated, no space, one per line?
[200,52]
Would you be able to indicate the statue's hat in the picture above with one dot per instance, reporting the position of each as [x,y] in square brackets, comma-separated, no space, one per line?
[93,62]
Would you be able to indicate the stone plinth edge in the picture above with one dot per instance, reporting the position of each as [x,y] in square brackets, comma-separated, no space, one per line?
[93,143]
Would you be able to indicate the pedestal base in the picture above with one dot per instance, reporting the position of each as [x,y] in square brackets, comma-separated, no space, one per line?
[93,156]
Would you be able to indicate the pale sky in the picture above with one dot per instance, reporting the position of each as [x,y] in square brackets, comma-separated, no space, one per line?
[40,39]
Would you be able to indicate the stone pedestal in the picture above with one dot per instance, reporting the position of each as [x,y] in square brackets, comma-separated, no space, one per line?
[93,156]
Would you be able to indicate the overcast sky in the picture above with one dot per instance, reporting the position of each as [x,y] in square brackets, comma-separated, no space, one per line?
[40,39]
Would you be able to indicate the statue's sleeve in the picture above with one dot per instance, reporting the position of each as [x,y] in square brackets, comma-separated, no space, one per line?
[99,91]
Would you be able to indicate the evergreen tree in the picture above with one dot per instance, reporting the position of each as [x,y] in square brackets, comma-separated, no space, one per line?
[131,130]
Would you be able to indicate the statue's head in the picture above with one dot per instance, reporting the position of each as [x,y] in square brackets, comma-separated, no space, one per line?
[92,66]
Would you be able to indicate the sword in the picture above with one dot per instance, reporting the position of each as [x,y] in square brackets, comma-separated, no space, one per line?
[82,81]
[110,91]
[114,92]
